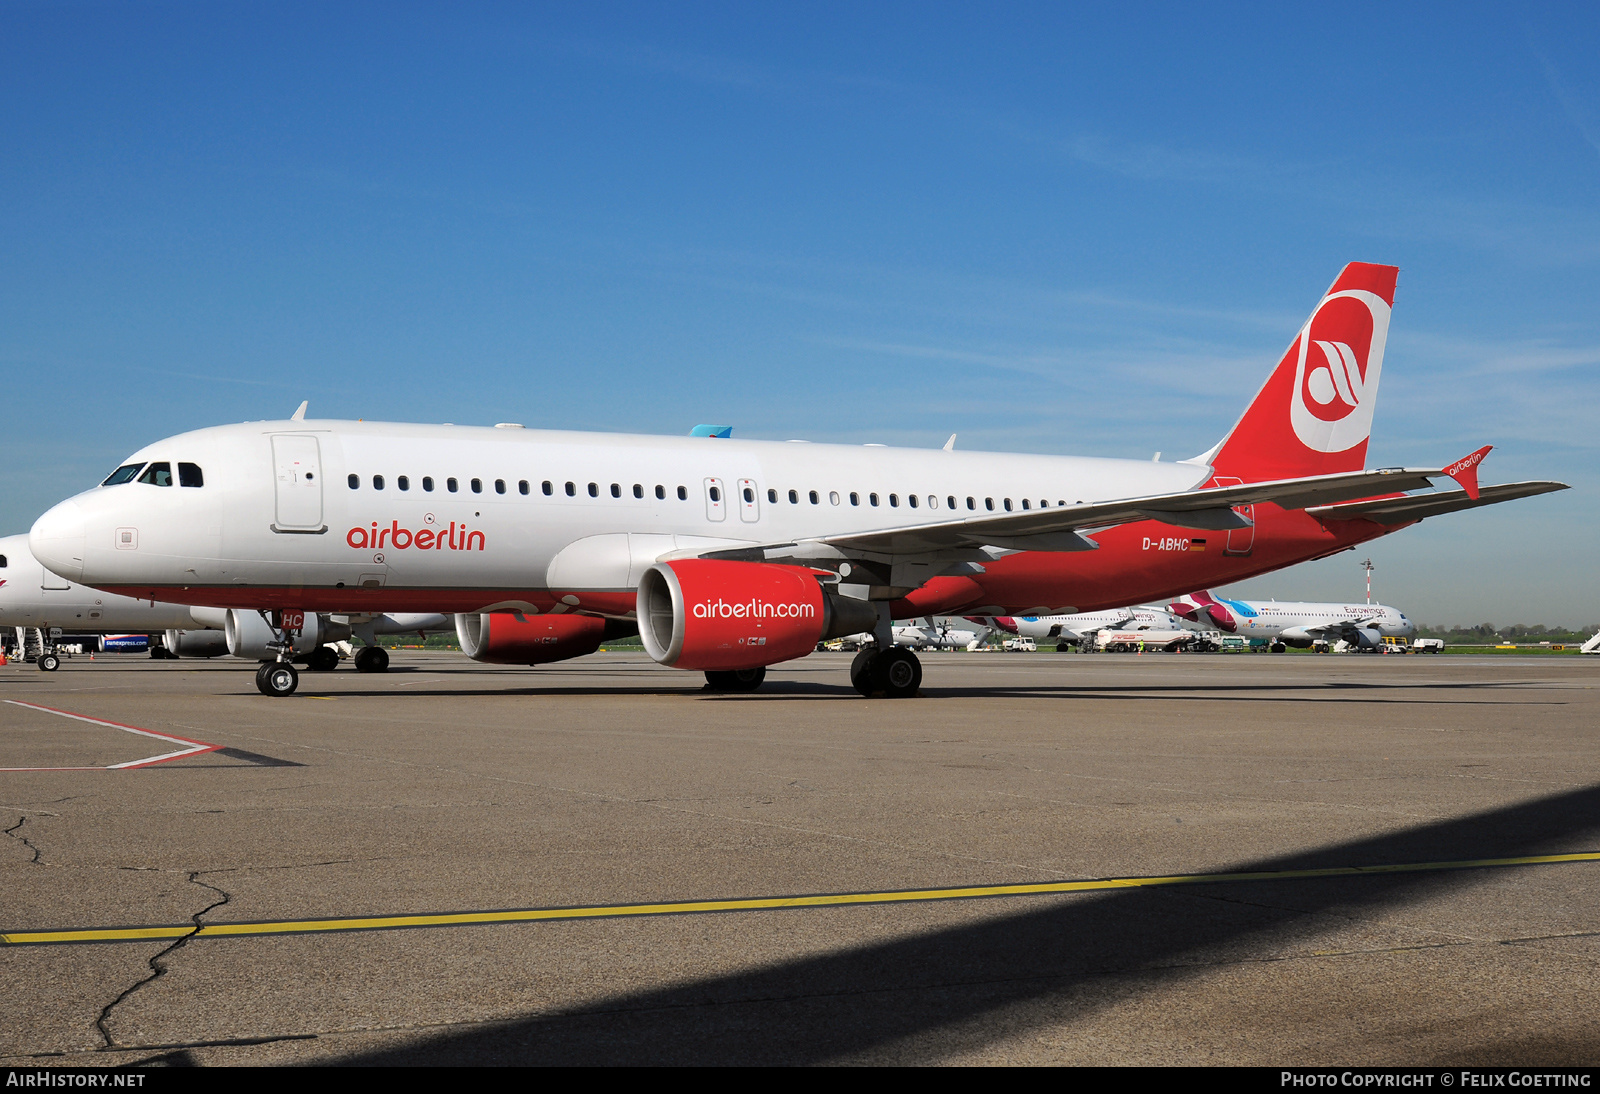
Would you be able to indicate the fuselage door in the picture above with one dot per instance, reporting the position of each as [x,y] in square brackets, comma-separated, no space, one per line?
[297,463]
[749,501]
[716,500]
[1240,541]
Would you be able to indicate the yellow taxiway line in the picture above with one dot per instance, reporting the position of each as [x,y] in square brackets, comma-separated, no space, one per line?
[746,904]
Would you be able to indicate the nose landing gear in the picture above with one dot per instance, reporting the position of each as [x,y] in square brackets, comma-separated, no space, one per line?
[277,678]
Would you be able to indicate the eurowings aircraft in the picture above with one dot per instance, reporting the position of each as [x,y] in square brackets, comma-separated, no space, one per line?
[32,597]
[1293,623]
[731,555]
[1084,625]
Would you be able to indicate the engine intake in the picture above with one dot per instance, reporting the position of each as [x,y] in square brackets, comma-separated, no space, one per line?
[717,615]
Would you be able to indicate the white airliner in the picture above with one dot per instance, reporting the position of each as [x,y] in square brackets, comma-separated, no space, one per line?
[33,598]
[1081,626]
[1294,623]
[731,555]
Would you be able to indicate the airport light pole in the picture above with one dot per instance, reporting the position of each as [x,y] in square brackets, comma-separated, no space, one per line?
[1366,564]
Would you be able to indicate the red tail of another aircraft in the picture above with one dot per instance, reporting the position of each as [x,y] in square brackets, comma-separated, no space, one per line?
[1314,414]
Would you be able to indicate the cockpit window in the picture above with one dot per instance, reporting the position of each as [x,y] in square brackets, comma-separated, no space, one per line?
[189,475]
[123,474]
[157,474]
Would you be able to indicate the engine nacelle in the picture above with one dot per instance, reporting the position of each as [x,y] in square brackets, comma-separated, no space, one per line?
[710,614]
[502,639]
[1298,637]
[248,634]
[196,643]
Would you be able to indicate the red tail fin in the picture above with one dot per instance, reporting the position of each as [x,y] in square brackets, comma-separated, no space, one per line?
[1314,414]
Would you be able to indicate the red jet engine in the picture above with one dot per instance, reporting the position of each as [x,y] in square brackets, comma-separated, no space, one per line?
[503,639]
[717,615]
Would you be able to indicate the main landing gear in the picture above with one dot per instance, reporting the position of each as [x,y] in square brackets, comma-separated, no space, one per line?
[323,659]
[735,680]
[372,659]
[893,673]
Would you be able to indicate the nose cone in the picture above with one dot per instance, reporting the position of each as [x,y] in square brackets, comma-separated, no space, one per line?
[57,539]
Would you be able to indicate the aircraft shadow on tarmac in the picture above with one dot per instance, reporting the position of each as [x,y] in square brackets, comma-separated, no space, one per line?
[958,989]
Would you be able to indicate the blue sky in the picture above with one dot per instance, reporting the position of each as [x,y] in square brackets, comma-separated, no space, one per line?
[1044,228]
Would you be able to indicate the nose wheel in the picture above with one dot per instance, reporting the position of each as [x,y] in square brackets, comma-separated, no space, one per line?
[894,673]
[277,678]
[49,662]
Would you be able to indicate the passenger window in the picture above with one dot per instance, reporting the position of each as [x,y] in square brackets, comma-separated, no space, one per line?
[616,490]
[477,486]
[794,497]
[911,499]
[354,481]
[157,474]
[873,498]
[1008,505]
[855,498]
[683,493]
[547,488]
[1025,503]
[189,475]
[988,503]
[123,474]
[661,493]
[522,487]
[638,491]
[952,500]
[427,483]
[2,562]
[499,486]
[749,494]
[772,496]
[833,497]
[894,501]
[594,490]
[813,497]
[451,485]
[402,481]
[572,490]
[972,503]
[377,482]
[716,495]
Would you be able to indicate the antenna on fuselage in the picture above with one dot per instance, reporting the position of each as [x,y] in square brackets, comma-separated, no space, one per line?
[300,414]
[950,445]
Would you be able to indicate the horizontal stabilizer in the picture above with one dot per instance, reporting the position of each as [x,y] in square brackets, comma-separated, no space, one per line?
[1405,510]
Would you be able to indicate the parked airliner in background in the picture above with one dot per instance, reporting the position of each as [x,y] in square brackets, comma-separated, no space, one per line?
[1082,626]
[1292,623]
[731,555]
[33,598]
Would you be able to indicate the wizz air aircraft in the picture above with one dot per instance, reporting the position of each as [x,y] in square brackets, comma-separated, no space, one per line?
[33,598]
[1293,623]
[731,555]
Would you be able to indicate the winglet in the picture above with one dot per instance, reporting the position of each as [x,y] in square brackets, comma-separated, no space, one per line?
[1465,471]
[300,414]
[950,445]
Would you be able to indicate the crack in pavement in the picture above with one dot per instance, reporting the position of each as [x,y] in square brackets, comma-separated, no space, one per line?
[157,968]
[38,855]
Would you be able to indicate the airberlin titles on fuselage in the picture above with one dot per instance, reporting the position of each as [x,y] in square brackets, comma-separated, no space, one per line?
[423,539]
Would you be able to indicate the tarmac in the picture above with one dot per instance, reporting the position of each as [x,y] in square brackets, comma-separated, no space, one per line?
[1043,859]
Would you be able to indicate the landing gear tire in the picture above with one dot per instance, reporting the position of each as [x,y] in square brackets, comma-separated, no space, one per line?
[49,662]
[1279,647]
[323,659]
[735,679]
[887,674]
[277,678]
[372,659]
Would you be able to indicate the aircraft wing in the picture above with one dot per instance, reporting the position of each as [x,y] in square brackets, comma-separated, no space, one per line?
[1058,529]
[1404,510]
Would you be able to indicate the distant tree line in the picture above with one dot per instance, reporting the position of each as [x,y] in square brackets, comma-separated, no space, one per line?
[1517,632]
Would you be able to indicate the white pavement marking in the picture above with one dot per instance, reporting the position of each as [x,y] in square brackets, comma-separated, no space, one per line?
[194,748]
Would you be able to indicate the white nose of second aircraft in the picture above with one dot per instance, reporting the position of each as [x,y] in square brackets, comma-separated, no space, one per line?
[57,539]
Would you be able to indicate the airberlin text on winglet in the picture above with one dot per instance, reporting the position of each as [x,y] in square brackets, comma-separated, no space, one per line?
[424,539]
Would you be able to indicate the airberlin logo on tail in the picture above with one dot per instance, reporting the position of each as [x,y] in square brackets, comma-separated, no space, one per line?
[1340,357]
[754,608]
[424,539]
